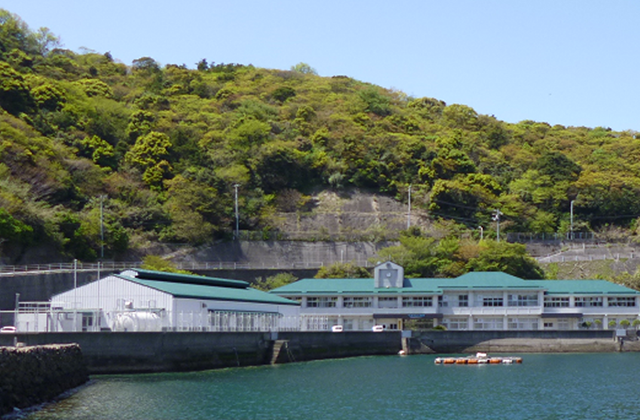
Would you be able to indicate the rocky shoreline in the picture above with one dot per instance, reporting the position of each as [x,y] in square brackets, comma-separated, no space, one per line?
[33,375]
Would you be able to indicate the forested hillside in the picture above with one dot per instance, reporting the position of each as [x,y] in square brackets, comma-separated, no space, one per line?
[160,148]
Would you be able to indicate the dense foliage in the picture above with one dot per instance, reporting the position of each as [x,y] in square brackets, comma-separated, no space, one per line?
[428,257]
[159,149]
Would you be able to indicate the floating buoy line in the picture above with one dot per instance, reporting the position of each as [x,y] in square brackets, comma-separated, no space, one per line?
[478,359]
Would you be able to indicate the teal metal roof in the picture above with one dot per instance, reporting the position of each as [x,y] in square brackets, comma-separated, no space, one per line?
[585,287]
[469,281]
[202,291]
[188,278]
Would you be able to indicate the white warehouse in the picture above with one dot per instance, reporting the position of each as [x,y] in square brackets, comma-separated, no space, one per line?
[144,300]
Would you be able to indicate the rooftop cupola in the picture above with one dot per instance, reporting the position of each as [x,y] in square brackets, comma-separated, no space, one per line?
[388,275]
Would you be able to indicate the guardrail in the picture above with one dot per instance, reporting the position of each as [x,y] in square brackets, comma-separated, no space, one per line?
[207,265]
[589,257]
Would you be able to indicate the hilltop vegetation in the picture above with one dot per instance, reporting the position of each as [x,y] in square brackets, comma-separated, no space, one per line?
[158,150]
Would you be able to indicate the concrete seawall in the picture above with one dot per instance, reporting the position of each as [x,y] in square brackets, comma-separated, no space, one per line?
[425,342]
[112,352]
[33,375]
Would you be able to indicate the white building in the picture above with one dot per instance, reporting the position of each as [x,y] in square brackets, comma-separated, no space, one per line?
[474,301]
[143,300]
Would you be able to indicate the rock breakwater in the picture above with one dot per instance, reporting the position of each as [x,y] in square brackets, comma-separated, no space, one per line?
[33,375]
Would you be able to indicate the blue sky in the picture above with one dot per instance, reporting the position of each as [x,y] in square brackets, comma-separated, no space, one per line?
[566,62]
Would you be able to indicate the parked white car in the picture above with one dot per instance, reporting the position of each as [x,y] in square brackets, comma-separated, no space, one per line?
[377,328]
[8,330]
[337,328]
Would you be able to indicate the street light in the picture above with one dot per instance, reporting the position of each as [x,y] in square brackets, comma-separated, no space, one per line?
[496,217]
[481,232]
[236,186]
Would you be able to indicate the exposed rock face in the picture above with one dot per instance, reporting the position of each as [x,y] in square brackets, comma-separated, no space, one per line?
[33,375]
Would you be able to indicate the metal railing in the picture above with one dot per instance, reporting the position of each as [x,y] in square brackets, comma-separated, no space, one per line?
[207,265]
[560,257]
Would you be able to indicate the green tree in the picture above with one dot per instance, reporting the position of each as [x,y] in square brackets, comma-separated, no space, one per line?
[14,231]
[157,263]
[417,254]
[149,154]
[304,68]
[375,101]
[15,96]
[99,151]
[283,93]
[195,208]
[558,167]
[342,271]
[508,258]
[275,281]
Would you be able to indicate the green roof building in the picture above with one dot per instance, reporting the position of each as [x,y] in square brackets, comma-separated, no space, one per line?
[473,301]
[144,300]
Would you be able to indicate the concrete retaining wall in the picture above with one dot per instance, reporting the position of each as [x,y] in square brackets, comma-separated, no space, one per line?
[518,342]
[112,352]
[39,287]
[33,375]
[328,345]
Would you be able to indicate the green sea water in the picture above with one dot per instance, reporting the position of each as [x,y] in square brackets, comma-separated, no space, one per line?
[547,386]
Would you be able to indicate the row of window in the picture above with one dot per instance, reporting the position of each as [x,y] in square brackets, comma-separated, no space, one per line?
[589,302]
[367,302]
[519,300]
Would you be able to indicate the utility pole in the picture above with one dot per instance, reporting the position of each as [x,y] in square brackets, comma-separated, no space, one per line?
[75,295]
[496,218]
[101,228]
[236,186]
[409,213]
[571,229]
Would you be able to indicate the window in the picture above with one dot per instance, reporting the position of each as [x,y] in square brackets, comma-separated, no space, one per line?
[622,301]
[463,301]
[564,324]
[488,324]
[548,324]
[522,323]
[523,300]
[387,302]
[321,302]
[347,323]
[556,302]
[87,321]
[443,301]
[416,301]
[357,302]
[492,301]
[588,302]
[457,324]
